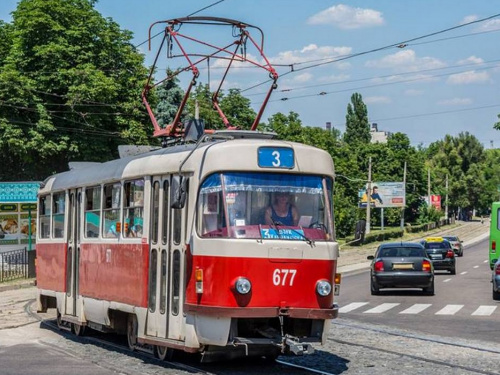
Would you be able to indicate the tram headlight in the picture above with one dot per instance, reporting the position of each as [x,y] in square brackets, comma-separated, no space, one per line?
[243,285]
[323,288]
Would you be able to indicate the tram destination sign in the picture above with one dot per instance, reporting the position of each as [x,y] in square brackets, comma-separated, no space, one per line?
[18,191]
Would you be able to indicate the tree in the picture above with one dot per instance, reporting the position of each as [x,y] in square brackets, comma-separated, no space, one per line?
[169,96]
[357,125]
[203,96]
[237,109]
[70,87]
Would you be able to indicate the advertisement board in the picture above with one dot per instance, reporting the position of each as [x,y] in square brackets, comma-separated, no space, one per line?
[383,194]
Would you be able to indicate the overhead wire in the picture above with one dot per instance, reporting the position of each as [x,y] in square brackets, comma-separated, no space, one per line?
[400,44]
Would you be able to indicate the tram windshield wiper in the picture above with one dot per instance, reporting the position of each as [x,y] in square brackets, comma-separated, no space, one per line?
[276,224]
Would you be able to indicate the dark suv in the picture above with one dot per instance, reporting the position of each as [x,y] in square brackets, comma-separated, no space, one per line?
[440,253]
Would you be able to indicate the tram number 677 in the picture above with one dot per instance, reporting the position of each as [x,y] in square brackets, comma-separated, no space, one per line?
[283,277]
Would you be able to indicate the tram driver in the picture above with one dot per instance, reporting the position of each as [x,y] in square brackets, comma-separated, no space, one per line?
[282,211]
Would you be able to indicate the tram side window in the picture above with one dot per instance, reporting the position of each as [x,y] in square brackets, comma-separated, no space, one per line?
[92,211]
[44,214]
[176,281]
[58,215]
[166,210]
[155,212]
[133,208]
[111,210]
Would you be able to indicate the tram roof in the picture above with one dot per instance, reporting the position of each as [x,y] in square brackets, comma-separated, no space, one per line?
[222,155]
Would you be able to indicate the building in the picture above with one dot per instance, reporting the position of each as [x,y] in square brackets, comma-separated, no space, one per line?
[378,136]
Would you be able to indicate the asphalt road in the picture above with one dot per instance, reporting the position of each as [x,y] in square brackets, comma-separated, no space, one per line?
[462,306]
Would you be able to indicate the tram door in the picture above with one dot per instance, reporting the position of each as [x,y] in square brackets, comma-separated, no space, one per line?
[177,265]
[166,265]
[72,251]
[157,322]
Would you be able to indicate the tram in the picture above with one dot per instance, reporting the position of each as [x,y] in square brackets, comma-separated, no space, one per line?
[184,248]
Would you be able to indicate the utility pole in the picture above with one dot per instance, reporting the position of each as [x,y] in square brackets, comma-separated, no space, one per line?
[429,186]
[446,199]
[368,196]
[402,225]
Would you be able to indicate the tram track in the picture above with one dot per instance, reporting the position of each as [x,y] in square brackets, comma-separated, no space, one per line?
[413,336]
[145,353]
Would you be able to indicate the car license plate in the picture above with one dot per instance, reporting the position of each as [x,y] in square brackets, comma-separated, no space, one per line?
[438,256]
[402,266]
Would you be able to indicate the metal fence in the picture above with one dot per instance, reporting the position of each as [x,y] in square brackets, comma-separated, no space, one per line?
[14,265]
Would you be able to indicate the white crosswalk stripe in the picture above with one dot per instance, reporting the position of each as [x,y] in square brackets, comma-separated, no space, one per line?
[484,310]
[416,308]
[449,310]
[381,308]
[476,266]
[352,306]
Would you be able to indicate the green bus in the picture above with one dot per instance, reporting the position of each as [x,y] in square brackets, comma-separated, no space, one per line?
[494,248]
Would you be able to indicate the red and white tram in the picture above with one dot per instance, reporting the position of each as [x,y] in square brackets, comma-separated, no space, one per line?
[172,247]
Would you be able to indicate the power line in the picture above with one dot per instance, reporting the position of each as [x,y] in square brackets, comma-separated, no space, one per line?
[192,14]
[401,44]
[324,93]
[380,77]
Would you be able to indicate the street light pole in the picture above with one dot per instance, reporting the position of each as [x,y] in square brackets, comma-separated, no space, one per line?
[402,225]
[446,201]
[368,196]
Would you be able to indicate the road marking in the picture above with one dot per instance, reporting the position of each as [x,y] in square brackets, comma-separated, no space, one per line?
[381,308]
[352,306]
[416,308]
[485,261]
[463,273]
[445,281]
[476,266]
[484,310]
[449,310]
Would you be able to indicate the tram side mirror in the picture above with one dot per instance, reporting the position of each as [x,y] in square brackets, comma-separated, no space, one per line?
[179,189]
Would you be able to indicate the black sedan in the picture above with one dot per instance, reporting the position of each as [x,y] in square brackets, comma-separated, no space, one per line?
[441,254]
[401,265]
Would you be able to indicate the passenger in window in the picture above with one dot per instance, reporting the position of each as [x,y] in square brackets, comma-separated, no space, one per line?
[282,211]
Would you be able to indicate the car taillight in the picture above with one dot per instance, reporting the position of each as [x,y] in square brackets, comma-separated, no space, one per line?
[450,254]
[379,266]
[497,270]
[426,266]
[493,246]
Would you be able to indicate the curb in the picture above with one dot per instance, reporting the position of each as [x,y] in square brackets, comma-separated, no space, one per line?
[21,285]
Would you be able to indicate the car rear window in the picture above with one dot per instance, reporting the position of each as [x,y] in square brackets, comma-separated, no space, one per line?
[435,245]
[451,238]
[401,252]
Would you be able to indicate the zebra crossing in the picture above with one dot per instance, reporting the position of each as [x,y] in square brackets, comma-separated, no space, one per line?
[417,308]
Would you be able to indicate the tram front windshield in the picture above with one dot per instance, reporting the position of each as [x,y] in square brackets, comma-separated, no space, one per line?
[266,206]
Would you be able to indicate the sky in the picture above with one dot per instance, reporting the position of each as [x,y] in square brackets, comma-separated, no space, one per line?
[426,86]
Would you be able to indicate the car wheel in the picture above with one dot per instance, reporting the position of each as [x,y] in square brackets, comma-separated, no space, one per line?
[461,254]
[430,289]
[496,295]
[374,289]
[453,271]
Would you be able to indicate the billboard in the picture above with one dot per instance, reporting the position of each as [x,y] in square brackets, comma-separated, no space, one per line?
[436,201]
[383,194]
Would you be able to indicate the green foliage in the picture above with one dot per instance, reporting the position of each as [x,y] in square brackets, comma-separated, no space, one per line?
[70,85]
[357,125]
[169,96]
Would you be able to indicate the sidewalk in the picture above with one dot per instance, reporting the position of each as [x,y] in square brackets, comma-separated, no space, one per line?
[352,259]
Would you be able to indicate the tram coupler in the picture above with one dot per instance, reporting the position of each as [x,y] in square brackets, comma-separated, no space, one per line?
[293,346]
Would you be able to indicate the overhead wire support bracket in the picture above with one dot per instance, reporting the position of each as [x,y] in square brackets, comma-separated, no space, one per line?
[173,36]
